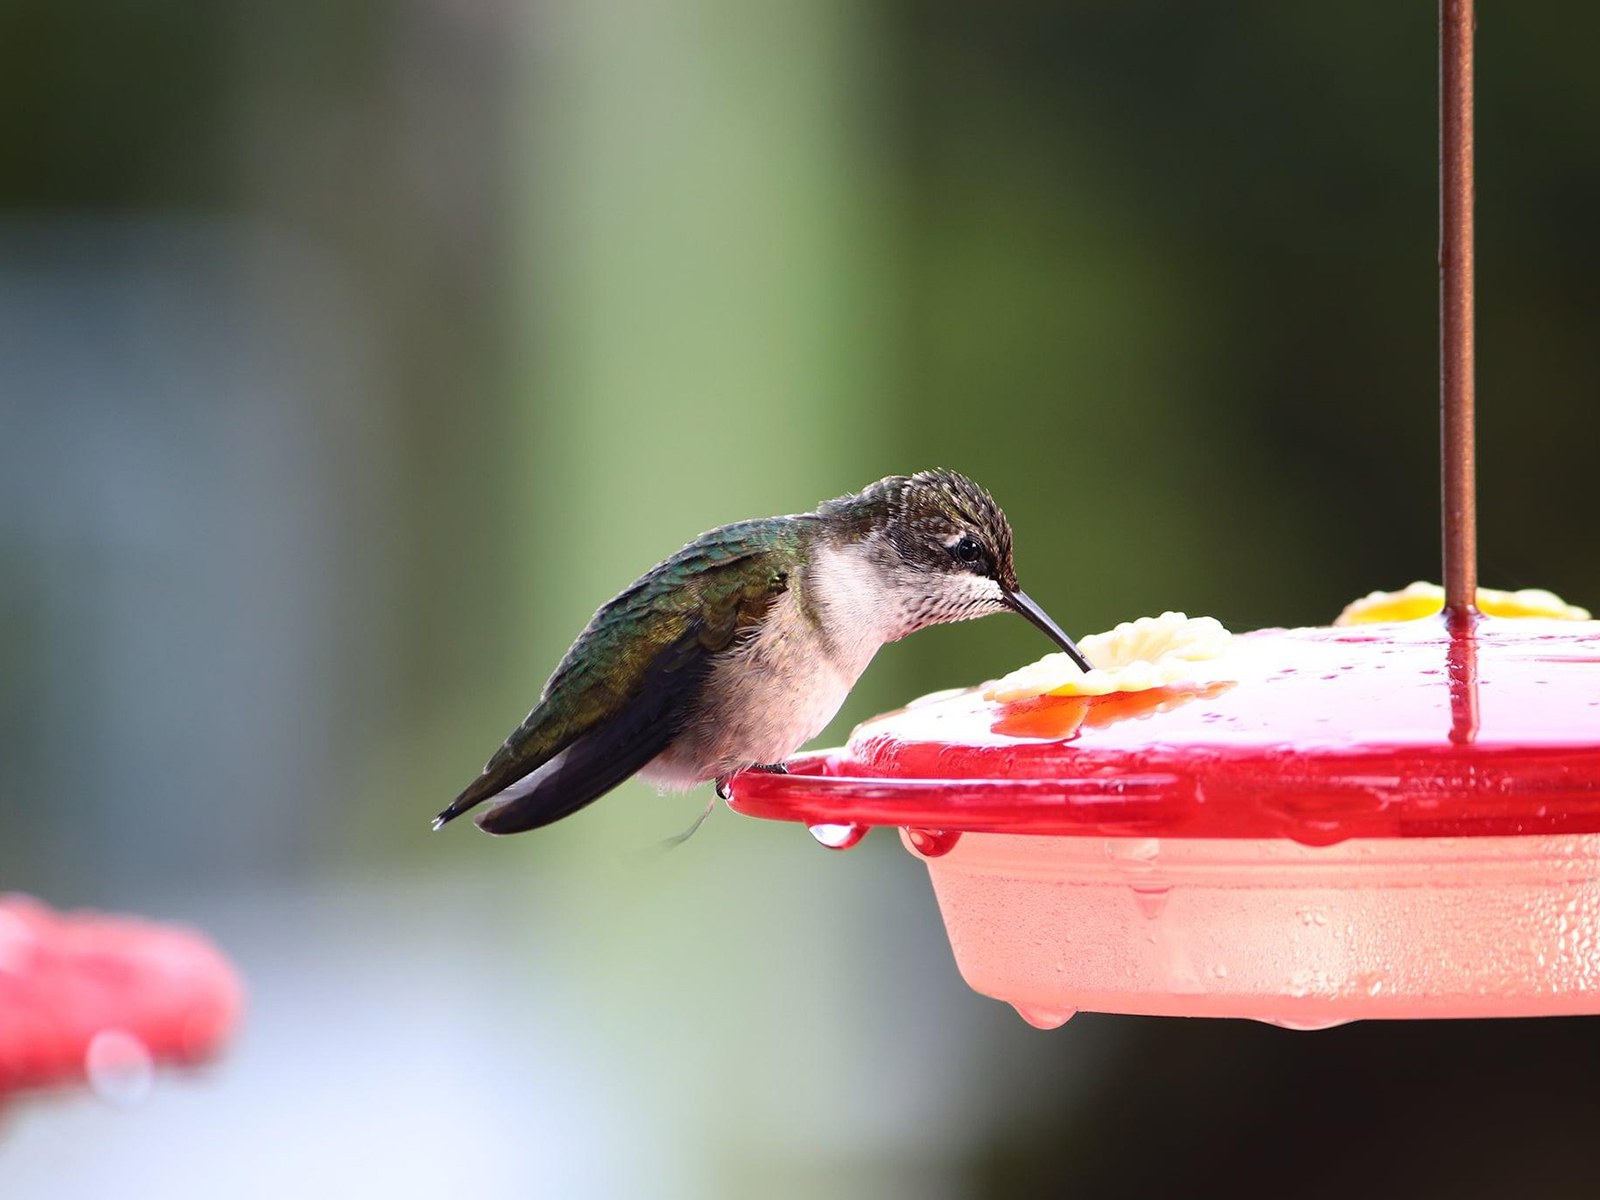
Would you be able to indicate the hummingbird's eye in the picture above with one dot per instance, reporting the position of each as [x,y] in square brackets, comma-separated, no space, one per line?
[967,550]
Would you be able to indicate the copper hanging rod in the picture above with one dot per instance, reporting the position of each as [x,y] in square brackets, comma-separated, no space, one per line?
[1456,422]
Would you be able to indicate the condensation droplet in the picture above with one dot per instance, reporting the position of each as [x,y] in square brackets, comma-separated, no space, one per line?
[932,843]
[1041,1017]
[1303,1024]
[1151,899]
[838,837]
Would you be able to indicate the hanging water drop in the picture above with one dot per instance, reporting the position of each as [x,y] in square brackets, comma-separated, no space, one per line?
[838,837]
[1151,898]
[1041,1017]
[119,1066]
[1303,1024]
[932,843]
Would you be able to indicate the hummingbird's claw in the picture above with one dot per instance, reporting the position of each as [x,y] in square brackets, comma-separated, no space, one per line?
[725,782]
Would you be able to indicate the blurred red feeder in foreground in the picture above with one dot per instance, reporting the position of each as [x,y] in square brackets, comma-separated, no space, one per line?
[102,999]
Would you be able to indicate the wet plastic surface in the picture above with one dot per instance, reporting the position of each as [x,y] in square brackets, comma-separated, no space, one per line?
[1315,734]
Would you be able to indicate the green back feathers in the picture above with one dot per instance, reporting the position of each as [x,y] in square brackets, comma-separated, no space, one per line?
[650,645]
[719,583]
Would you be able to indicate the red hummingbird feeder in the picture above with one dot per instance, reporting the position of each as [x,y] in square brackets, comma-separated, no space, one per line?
[1392,820]
[102,1000]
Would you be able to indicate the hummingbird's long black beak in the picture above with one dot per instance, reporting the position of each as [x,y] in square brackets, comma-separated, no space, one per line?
[1024,604]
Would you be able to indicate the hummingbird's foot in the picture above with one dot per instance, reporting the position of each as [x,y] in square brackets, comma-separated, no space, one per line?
[724,782]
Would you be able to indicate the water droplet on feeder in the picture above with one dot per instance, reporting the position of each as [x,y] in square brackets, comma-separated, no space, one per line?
[838,837]
[1041,1017]
[1303,1024]
[1371,982]
[932,843]
[1151,899]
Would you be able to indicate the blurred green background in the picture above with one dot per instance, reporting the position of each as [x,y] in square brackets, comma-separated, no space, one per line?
[352,353]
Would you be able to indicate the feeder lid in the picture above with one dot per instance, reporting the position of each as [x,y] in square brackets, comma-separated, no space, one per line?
[1387,730]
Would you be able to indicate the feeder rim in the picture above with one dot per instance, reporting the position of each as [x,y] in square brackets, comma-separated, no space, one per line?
[1350,795]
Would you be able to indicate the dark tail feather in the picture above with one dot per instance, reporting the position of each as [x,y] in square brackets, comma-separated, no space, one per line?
[479,790]
[578,776]
[569,774]
[530,746]
[510,766]
[454,810]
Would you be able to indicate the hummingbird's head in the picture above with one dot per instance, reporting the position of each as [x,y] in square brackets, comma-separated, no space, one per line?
[951,535]
[948,551]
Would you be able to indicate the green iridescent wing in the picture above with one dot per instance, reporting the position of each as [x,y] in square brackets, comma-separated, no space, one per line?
[623,689]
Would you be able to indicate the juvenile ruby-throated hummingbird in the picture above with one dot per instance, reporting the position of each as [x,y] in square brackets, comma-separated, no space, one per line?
[738,649]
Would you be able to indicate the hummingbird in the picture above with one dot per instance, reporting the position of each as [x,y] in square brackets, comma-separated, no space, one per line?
[741,647]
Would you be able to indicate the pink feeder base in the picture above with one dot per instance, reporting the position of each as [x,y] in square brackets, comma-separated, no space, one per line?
[1301,936]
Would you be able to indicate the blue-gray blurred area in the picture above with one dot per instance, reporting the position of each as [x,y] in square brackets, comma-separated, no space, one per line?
[352,353]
